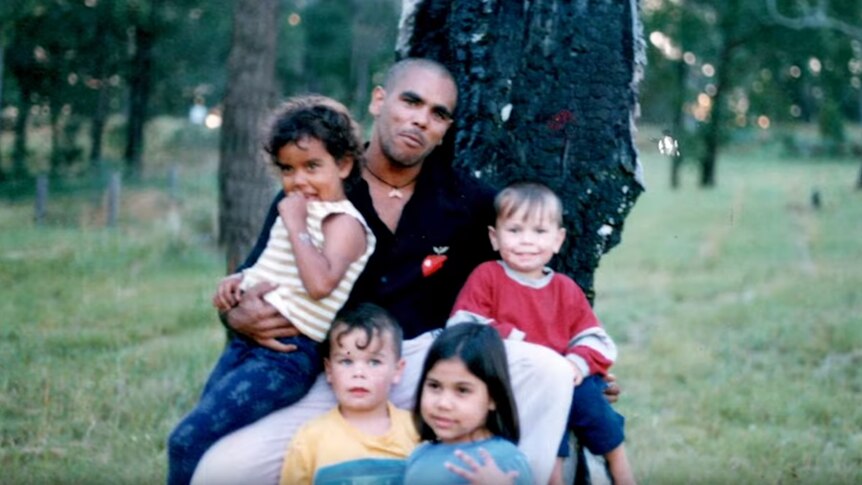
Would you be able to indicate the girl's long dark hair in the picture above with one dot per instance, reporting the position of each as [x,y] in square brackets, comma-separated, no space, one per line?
[482,351]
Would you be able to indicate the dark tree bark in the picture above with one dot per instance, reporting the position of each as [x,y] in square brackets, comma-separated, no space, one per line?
[100,113]
[19,145]
[244,178]
[712,134]
[97,126]
[139,88]
[678,129]
[547,93]
[2,72]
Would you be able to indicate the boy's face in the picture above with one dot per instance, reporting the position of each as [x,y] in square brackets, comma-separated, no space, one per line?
[527,240]
[361,378]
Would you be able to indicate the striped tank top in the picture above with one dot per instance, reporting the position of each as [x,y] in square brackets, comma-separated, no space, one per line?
[278,266]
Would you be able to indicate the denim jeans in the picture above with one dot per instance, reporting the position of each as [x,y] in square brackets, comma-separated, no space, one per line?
[247,383]
[592,419]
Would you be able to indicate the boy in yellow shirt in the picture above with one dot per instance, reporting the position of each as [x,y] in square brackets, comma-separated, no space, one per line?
[365,438]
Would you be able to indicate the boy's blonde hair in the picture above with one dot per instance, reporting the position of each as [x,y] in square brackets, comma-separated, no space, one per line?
[532,197]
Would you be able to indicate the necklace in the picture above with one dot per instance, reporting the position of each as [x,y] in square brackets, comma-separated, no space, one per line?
[395,192]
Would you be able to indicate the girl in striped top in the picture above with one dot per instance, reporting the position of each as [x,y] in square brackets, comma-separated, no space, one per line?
[316,250]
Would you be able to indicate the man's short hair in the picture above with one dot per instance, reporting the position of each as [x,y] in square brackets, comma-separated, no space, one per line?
[393,75]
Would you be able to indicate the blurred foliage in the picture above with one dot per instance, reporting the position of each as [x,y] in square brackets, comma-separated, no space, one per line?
[737,65]
[71,77]
[67,64]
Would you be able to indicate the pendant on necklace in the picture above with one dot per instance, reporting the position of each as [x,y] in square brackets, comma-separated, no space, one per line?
[396,193]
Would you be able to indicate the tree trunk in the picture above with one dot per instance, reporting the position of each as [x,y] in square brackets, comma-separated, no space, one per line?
[548,92]
[55,158]
[712,131]
[97,123]
[19,146]
[97,127]
[245,180]
[678,128]
[139,89]
[2,73]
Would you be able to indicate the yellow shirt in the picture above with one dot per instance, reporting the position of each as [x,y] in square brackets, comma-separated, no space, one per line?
[330,439]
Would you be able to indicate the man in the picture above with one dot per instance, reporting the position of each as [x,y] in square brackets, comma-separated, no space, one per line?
[431,228]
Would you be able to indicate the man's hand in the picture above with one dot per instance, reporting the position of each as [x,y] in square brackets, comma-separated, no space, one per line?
[612,391]
[255,318]
[227,294]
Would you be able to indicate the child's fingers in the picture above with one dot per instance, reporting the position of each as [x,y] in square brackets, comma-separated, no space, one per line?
[219,300]
[468,460]
[458,471]
[274,344]
[486,456]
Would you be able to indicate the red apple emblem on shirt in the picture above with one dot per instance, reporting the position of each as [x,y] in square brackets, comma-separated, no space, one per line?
[433,262]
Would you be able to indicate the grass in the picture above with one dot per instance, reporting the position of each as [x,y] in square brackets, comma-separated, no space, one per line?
[737,310]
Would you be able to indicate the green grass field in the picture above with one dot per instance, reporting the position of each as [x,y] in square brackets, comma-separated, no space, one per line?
[738,311]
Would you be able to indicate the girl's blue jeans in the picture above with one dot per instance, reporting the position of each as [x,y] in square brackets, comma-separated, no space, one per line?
[247,383]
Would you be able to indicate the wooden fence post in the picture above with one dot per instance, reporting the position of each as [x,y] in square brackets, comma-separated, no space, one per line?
[114,187]
[41,198]
[174,183]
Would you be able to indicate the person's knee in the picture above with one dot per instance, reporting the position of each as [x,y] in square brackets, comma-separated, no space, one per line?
[180,439]
[555,371]
[589,401]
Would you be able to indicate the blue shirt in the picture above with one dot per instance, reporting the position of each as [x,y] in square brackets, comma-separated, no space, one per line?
[425,466]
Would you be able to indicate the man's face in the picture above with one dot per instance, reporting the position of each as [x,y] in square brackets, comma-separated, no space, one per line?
[412,117]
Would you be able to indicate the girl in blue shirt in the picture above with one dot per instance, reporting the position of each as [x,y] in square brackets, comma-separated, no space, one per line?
[466,413]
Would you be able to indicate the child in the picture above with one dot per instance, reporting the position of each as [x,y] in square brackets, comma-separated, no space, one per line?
[523,299]
[318,246]
[465,410]
[365,438]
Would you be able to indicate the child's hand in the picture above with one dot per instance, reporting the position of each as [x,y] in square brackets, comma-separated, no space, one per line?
[488,473]
[612,390]
[227,294]
[579,376]
[293,210]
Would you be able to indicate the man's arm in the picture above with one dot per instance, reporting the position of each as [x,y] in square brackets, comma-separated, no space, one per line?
[256,319]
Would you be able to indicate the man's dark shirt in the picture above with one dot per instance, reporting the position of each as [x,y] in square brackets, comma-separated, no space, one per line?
[449,212]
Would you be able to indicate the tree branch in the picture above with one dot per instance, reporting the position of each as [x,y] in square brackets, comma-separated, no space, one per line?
[814,18]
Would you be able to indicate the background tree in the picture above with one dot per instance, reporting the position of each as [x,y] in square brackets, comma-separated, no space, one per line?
[826,15]
[547,92]
[674,30]
[144,28]
[250,95]
[744,72]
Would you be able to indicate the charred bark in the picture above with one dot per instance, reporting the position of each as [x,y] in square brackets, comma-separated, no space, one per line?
[548,92]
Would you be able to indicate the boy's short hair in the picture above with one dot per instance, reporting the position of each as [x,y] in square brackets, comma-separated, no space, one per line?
[531,196]
[368,317]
